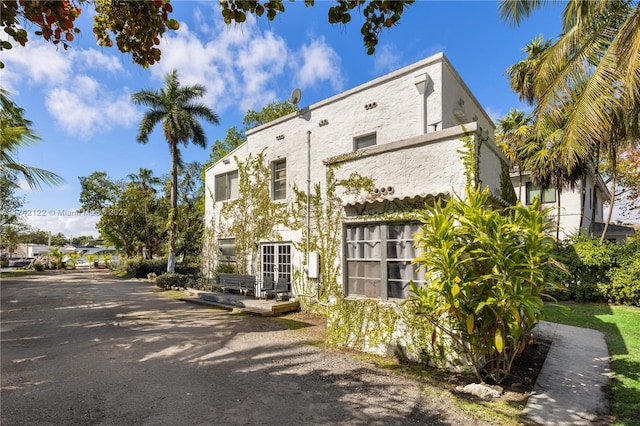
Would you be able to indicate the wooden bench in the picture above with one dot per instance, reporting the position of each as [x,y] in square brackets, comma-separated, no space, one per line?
[242,283]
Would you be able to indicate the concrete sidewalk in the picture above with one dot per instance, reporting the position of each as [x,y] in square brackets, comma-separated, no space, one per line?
[570,389]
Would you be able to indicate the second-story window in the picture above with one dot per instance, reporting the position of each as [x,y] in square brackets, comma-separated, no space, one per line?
[546,196]
[226,186]
[279,179]
[360,142]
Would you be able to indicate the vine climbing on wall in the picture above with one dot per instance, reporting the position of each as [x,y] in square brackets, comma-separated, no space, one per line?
[323,235]
[253,216]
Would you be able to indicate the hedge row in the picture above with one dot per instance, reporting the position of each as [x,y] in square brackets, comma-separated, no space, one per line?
[598,272]
[141,268]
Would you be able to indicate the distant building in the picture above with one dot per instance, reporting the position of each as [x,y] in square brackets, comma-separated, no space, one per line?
[577,206]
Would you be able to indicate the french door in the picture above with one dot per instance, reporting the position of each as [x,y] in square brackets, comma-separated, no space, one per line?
[276,261]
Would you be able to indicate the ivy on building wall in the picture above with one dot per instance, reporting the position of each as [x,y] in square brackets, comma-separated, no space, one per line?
[325,212]
[253,216]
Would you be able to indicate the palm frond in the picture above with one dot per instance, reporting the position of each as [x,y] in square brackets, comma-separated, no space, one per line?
[514,11]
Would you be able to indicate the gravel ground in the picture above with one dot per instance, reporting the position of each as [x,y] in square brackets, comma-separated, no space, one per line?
[85,348]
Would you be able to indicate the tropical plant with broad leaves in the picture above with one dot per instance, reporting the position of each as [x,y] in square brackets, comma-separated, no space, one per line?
[176,108]
[485,277]
[55,257]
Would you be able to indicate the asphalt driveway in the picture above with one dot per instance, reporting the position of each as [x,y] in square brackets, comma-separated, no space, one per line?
[86,348]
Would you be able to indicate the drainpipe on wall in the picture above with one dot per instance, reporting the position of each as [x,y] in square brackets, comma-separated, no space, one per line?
[308,250]
[308,198]
[422,81]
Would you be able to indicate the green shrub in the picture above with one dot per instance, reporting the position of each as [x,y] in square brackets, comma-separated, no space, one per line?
[38,266]
[485,277]
[203,283]
[168,281]
[141,268]
[189,268]
[587,263]
[624,285]
[598,272]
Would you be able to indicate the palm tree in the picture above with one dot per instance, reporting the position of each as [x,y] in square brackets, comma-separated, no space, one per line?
[16,133]
[174,107]
[543,157]
[625,140]
[592,70]
[146,182]
[512,132]
[522,74]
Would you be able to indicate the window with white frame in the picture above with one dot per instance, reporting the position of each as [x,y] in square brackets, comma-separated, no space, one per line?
[364,141]
[546,196]
[379,259]
[226,186]
[279,179]
[276,261]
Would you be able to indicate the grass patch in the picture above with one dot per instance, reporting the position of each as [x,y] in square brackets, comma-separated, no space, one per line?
[172,294]
[621,326]
[20,273]
[291,324]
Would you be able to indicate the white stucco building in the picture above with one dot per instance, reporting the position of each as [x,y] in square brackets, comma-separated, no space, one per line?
[405,131]
[578,205]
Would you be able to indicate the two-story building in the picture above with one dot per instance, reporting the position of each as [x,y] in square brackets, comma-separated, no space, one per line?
[582,208]
[415,134]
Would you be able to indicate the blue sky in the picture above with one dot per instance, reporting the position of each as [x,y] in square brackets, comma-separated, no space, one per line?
[79,99]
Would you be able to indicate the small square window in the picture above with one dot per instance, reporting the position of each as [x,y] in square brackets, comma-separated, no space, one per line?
[226,186]
[279,179]
[546,196]
[361,142]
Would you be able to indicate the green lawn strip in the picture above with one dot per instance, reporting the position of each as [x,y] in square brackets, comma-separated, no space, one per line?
[621,326]
[19,273]
[172,294]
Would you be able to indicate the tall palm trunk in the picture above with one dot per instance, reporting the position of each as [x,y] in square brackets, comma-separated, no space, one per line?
[594,198]
[611,201]
[583,200]
[614,176]
[173,211]
[558,191]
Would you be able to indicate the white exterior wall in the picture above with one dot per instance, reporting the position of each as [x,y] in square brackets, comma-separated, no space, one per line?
[428,164]
[490,164]
[412,162]
[571,204]
[455,90]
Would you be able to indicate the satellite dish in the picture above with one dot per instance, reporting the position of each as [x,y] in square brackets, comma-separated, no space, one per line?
[295,97]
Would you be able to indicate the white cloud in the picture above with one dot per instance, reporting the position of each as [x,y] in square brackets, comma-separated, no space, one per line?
[243,66]
[237,65]
[36,64]
[494,114]
[92,59]
[386,59]
[80,104]
[319,63]
[84,107]
[69,225]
